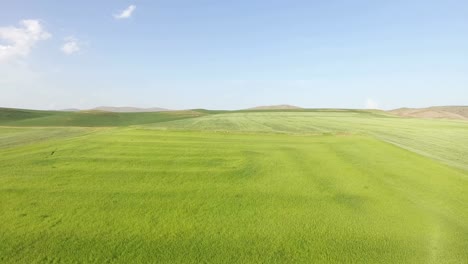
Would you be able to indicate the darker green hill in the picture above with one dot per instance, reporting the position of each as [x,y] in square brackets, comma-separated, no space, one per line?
[20,117]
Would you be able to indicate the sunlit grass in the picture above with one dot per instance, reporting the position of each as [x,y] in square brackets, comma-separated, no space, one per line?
[137,196]
[443,140]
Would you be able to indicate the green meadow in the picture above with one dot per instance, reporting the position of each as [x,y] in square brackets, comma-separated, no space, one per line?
[312,186]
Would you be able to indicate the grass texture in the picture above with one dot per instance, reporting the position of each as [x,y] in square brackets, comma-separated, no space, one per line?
[136,195]
[443,140]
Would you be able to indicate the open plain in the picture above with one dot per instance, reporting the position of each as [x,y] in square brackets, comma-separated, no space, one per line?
[295,186]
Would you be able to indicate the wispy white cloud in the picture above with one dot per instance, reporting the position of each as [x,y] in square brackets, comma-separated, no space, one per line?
[372,104]
[127,13]
[20,40]
[71,46]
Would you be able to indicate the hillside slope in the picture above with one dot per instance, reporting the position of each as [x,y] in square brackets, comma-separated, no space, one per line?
[446,112]
[16,115]
[20,117]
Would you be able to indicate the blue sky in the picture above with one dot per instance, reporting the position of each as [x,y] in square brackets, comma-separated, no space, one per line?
[215,54]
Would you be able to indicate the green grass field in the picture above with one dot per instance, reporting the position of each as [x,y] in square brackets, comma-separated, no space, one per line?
[15,117]
[444,140]
[233,187]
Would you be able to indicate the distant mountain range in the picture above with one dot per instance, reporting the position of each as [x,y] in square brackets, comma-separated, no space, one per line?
[444,112]
[125,109]
[275,107]
[447,112]
[129,109]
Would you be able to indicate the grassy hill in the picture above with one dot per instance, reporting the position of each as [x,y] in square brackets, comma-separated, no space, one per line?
[201,186]
[18,117]
[446,112]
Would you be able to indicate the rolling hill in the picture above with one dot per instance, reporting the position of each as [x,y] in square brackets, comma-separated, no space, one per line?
[446,112]
[275,107]
[92,118]
[128,109]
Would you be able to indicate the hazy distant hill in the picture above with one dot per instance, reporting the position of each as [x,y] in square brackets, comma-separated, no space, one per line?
[128,109]
[447,112]
[275,107]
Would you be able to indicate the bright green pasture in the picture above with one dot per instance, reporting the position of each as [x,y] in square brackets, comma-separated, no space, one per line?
[15,136]
[147,196]
[444,140]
